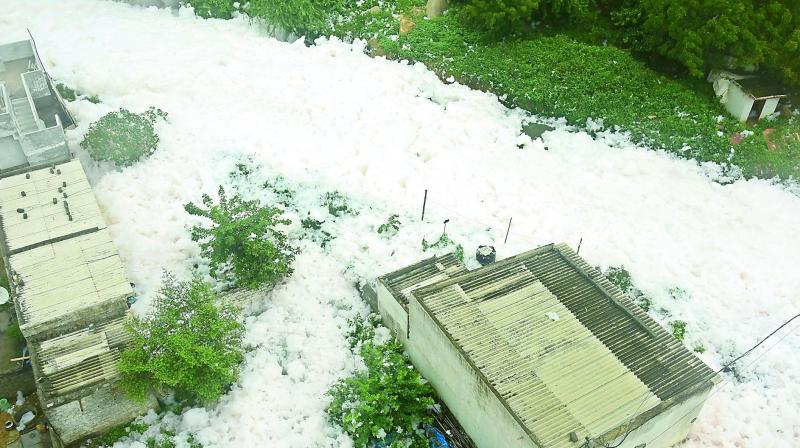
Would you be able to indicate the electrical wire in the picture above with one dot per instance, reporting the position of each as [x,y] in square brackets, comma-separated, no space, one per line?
[722,369]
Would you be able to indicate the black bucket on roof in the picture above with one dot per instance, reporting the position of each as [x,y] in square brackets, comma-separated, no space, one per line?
[485,255]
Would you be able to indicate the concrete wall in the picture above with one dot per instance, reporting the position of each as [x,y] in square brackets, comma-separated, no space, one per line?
[95,414]
[16,50]
[668,428]
[480,412]
[739,103]
[393,314]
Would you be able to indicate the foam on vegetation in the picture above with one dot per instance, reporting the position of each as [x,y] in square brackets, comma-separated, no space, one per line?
[329,119]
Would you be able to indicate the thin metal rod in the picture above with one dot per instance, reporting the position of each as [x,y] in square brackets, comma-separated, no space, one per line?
[508,230]
[424,202]
[579,246]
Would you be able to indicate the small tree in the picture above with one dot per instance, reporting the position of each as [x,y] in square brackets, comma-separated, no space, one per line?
[123,137]
[191,344]
[388,401]
[242,244]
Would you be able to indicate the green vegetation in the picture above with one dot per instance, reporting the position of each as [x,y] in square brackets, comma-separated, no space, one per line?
[190,344]
[443,242]
[14,333]
[505,16]
[391,226]
[302,17]
[115,434]
[123,137]
[337,205]
[387,401]
[678,329]
[216,9]
[563,65]
[67,93]
[3,276]
[242,243]
[621,278]
[568,72]
[705,34]
[699,348]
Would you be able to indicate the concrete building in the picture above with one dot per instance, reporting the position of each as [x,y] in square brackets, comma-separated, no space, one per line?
[541,350]
[32,115]
[71,295]
[745,97]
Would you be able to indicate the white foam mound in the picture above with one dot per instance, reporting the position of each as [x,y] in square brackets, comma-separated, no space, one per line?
[328,117]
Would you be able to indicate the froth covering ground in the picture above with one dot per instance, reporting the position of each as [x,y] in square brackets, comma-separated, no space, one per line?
[328,117]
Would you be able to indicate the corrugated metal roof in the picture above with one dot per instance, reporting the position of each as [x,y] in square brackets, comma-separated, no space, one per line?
[423,273]
[554,375]
[654,355]
[562,347]
[54,280]
[40,195]
[79,359]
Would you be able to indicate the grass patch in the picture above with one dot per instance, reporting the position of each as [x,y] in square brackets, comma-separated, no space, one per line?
[555,75]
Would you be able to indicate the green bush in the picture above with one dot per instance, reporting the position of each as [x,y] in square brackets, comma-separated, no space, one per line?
[311,18]
[678,329]
[705,34]
[123,137]
[242,243]
[503,16]
[443,242]
[190,344]
[559,77]
[388,398]
[217,9]
[391,226]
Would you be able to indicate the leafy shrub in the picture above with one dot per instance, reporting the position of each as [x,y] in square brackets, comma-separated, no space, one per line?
[362,330]
[123,137]
[302,17]
[242,243]
[337,204]
[678,329]
[389,400]
[67,93]
[391,226]
[713,31]
[517,15]
[444,241]
[217,9]
[190,343]
[621,278]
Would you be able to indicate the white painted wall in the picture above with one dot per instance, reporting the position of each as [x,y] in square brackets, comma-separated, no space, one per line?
[769,107]
[739,103]
[478,410]
[669,427]
[394,316]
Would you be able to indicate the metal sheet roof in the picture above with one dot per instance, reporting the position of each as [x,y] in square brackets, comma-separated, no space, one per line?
[57,279]
[562,347]
[79,359]
[50,214]
[403,281]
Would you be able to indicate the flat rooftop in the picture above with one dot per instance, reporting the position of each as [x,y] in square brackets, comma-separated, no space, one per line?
[62,259]
[47,204]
